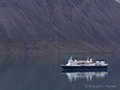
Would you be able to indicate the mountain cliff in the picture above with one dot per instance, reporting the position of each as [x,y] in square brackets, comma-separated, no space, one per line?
[45,26]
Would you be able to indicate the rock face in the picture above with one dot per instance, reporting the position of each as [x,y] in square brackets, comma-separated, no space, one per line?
[42,26]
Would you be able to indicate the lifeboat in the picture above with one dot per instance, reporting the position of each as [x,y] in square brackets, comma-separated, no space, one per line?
[78,63]
[83,62]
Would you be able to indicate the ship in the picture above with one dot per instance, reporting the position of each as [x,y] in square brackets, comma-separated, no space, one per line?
[87,64]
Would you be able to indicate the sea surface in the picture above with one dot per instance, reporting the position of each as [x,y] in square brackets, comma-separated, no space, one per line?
[43,72]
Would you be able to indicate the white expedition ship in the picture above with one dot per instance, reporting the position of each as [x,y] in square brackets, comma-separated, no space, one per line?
[88,64]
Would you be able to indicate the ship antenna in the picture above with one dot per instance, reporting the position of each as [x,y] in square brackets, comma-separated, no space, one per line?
[87,58]
[70,58]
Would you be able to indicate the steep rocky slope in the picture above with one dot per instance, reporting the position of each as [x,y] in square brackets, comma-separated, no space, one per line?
[37,26]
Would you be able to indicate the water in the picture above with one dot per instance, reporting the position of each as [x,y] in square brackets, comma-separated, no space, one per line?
[43,72]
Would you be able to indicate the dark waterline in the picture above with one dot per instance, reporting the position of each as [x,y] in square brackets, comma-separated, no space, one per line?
[43,72]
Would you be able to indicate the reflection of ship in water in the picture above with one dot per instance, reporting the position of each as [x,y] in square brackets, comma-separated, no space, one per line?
[73,76]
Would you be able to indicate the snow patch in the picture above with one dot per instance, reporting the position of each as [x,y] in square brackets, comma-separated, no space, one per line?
[118,1]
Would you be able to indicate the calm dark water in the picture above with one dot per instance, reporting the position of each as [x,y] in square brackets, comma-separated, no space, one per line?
[43,72]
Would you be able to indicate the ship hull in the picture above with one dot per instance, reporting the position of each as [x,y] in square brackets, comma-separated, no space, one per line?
[84,67]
